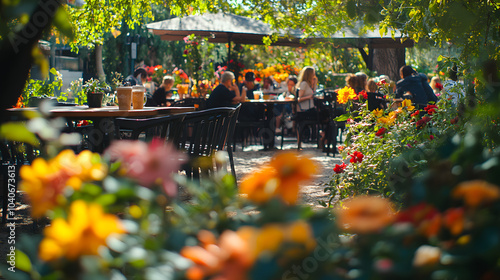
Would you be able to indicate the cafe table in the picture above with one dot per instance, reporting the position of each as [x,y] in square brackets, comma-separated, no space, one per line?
[269,133]
[103,130]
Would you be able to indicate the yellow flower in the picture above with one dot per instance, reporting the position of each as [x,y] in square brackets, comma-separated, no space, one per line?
[280,178]
[407,104]
[378,113]
[386,120]
[365,214]
[345,94]
[86,166]
[476,192]
[86,229]
[43,183]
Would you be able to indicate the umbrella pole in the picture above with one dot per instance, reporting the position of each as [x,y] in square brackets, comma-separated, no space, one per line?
[228,49]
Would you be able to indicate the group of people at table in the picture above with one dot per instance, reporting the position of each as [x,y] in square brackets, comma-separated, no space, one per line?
[412,86]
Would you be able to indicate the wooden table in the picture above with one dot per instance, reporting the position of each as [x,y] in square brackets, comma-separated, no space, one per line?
[269,134]
[103,131]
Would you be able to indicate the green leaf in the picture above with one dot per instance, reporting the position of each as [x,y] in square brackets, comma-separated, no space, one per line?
[17,131]
[106,199]
[62,22]
[22,261]
[342,118]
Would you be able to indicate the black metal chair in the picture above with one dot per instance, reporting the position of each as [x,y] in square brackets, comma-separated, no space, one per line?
[251,124]
[304,120]
[203,133]
[165,127]
[230,138]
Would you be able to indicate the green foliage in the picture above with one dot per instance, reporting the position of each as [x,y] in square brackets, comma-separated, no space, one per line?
[43,88]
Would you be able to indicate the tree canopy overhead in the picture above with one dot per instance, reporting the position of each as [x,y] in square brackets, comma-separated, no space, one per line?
[470,25]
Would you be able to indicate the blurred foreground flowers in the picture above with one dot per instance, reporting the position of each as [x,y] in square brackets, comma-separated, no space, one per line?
[117,216]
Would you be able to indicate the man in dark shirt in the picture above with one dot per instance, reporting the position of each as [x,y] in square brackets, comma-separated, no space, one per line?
[416,84]
[249,86]
[226,94]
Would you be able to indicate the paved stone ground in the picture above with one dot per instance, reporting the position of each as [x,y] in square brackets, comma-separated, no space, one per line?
[252,157]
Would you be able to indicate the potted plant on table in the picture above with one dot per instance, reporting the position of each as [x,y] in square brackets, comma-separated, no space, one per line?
[94,90]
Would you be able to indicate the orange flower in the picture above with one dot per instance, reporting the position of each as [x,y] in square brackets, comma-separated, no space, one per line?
[365,214]
[280,178]
[235,252]
[44,181]
[454,220]
[476,192]
[230,257]
[424,217]
[345,94]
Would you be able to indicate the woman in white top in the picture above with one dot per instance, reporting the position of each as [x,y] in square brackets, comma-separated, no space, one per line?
[307,86]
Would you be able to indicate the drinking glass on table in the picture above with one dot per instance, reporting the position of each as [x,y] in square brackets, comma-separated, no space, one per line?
[257,94]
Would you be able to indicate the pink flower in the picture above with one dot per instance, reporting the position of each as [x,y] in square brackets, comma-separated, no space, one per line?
[148,163]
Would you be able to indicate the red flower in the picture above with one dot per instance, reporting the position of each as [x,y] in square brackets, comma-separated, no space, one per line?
[356,157]
[258,80]
[381,131]
[381,82]
[82,123]
[241,65]
[431,109]
[439,86]
[194,43]
[431,137]
[231,61]
[421,123]
[416,113]
[363,94]
[186,51]
[454,120]
[339,168]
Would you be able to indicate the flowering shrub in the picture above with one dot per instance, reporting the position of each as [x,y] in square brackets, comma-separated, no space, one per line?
[279,72]
[156,73]
[379,137]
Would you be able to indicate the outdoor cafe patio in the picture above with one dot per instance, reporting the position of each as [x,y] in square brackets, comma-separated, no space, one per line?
[394,175]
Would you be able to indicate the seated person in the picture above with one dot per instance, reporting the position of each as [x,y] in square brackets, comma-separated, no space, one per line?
[139,78]
[226,94]
[249,86]
[376,100]
[163,92]
[416,85]
[289,94]
[270,86]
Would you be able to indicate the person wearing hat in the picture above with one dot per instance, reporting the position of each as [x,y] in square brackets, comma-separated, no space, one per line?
[249,86]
